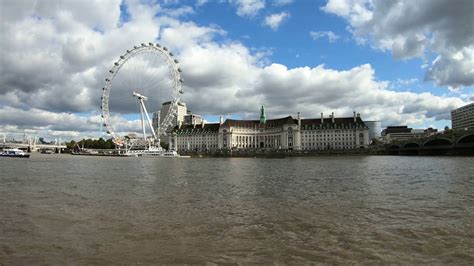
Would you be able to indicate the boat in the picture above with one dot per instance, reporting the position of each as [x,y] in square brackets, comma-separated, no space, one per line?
[151,152]
[17,153]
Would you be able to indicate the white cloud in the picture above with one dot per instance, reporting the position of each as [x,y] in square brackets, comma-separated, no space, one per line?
[63,61]
[331,36]
[411,29]
[282,2]
[407,82]
[248,8]
[202,2]
[275,20]
[177,12]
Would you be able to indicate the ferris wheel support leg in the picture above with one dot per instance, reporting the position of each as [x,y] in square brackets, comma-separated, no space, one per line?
[147,119]
[143,122]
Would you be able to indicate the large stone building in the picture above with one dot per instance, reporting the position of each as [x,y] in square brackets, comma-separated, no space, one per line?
[463,117]
[282,133]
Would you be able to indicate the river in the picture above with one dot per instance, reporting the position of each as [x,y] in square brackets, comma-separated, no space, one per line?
[63,209]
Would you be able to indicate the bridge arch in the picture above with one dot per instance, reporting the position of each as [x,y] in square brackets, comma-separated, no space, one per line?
[411,145]
[394,147]
[466,139]
[437,142]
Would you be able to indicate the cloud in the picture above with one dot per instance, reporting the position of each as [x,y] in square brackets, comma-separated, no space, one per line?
[407,82]
[202,2]
[412,29]
[275,20]
[59,124]
[248,8]
[282,2]
[331,36]
[53,83]
[177,12]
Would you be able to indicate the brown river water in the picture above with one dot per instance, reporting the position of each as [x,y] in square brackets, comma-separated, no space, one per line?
[63,209]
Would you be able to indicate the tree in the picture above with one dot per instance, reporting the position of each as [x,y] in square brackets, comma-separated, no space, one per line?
[164,145]
[70,145]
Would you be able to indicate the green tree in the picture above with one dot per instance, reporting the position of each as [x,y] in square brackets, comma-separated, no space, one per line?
[164,145]
[70,145]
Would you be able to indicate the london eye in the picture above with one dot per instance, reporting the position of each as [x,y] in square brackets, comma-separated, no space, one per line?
[144,76]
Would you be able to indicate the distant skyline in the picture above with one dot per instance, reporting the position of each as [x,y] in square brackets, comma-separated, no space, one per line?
[401,62]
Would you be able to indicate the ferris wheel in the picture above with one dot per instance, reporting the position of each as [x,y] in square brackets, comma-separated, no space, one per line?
[150,74]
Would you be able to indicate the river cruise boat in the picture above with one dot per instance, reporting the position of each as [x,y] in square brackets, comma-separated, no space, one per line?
[151,152]
[17,153]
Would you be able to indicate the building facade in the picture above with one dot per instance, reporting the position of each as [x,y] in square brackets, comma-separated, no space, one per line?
[283,133]
[463,117]
[191,119]
[181,112]
[375,129]
[404,133]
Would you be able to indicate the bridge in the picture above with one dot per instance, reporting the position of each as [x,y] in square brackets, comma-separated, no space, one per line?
[33,147]
[456,144]
[31,144]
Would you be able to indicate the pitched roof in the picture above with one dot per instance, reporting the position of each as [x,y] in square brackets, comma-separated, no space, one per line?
[328,121]
[270,123]
[212,127]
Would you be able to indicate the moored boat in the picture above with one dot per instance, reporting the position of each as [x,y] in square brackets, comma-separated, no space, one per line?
[152,152]
[17,153]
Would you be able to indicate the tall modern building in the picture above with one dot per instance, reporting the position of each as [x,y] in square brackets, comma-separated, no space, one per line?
[182,111]
[191,119]
[155,121]
[463,117]
[375,129]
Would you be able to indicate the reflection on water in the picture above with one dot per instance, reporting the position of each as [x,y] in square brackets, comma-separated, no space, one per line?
[68,209]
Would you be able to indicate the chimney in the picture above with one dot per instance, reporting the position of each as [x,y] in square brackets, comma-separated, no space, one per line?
[358,115]
[322,118]
[355,119]
[332,117]
[299,120]
[221,120]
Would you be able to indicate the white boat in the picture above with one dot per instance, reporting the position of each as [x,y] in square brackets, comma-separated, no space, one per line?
[151,152]
[14,153]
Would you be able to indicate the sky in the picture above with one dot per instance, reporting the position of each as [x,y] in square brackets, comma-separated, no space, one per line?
[401,62]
